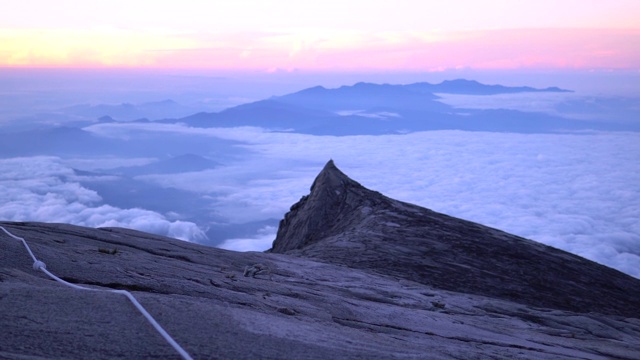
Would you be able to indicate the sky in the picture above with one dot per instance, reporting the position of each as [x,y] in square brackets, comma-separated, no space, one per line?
[345,35]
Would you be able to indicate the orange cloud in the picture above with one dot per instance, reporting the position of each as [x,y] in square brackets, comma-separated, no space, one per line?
[327,51]
[99,47]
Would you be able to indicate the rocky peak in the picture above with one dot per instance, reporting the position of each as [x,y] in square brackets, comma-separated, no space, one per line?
[342,222]
[364,277]
[331,178]
[328,210]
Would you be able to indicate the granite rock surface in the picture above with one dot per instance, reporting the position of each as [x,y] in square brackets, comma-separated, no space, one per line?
[352,275]
[342,222]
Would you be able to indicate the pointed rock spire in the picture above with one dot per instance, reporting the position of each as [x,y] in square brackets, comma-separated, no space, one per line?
[327,210]
[332,178]
[342,222]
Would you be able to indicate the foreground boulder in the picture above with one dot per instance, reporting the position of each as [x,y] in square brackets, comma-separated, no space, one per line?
[360,277]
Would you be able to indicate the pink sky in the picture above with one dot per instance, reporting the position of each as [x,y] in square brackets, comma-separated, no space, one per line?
[331,35]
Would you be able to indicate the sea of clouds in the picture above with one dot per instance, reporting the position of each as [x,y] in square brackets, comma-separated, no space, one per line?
[45,189]
[579,192]
[575,191]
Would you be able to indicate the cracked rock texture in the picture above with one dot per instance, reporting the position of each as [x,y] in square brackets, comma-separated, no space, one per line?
[353,275]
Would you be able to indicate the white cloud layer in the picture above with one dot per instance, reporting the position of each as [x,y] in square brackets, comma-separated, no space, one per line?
[43,189]
[104,162]
[262,241]
[578,192]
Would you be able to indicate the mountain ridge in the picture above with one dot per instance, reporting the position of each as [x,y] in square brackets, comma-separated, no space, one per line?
[336,293]
[342,222]
[472,87]
[364,108]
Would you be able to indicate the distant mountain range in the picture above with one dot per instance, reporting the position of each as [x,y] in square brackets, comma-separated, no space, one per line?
[173,165]
[128,112]
[360,109]
[86,114]
[472,87]
[373,109]
[65,141]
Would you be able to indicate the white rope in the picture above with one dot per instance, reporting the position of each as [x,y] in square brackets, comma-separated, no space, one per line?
[39,265]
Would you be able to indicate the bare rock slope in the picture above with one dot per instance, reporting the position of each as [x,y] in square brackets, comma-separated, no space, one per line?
[342,222]
[363,277]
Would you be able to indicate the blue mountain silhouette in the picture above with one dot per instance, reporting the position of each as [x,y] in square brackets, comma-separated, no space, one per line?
[372,109]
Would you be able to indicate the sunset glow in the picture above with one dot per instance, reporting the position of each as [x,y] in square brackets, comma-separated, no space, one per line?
[326,36]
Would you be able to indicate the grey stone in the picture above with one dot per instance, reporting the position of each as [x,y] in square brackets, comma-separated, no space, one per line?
[372,293]
[341,222]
